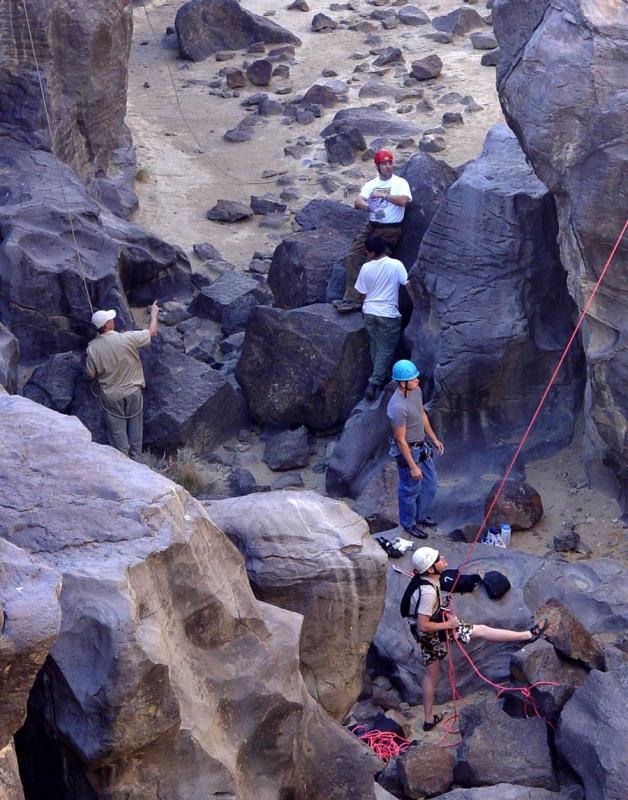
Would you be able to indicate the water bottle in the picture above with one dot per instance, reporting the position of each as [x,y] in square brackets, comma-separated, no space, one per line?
[505,533]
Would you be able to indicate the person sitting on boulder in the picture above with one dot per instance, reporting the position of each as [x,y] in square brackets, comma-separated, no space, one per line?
[385,198]
[378,282]
[430,621]
[415,464]
[113,359]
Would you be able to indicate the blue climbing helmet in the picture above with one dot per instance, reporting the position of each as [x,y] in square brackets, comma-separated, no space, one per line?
[404,370]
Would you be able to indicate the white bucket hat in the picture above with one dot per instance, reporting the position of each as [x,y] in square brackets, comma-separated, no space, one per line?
[100,318]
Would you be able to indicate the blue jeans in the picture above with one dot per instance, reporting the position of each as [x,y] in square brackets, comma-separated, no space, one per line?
[415,497]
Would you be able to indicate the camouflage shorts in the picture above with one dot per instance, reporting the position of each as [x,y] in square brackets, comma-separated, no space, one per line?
[432,648]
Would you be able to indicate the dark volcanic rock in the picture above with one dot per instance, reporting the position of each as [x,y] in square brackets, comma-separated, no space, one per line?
[491,58]
[266,205]
[42,285]
[459,21]
[569,636]
[304,366]
[524,754]
[519,504]
[342,147]
[229,211]
[207,26]
[321,23]
[287,450]
[322,95]
[592,734]
[574,136]
[426,68]
[9,359]
[260,72]
[370,122]
[230,300]
[495,313]
[483,40]
[302,266]
[332,215]
[412,15]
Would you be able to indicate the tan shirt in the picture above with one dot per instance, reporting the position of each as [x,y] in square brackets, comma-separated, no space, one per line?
[112,358]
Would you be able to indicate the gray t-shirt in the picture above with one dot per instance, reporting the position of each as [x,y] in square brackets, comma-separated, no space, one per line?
[408,411]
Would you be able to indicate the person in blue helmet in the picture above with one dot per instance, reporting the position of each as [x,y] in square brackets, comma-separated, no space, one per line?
[414,455]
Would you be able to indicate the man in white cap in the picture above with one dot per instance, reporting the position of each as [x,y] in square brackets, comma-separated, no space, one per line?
[113,359]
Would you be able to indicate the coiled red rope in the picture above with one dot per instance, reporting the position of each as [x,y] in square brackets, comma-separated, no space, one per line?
[385,744]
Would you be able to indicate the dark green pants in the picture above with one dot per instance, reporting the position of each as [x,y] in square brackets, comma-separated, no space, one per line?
[383,333]
[125,423]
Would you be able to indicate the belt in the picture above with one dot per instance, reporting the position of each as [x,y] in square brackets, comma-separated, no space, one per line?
[386,224]
[416,444]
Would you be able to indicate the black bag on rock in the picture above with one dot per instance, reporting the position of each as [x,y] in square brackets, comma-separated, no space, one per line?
[496,584]
[466,583]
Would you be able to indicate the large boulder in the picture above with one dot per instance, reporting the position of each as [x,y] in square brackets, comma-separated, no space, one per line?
[494,315]
[592,734]
[9,359]
[370,122]
[502,791]
[44,285]
[167,671]
[303,264]
[497,748]
[230,300]
[10,783]
[331,215]
[30,618]
[554,59]
[429,180]
[569,636]
[207,26]
[310,554]
[303,366]
[459,21]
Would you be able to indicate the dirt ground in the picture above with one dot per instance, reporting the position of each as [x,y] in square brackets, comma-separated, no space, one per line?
[182,184]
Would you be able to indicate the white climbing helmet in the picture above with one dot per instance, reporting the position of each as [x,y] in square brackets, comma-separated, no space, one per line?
[424,558]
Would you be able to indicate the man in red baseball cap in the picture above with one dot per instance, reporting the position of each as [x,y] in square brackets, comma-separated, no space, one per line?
[385,198]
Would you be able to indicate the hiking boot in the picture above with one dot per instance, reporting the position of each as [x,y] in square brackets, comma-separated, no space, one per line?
[416,532]
[346,306]
[371,391]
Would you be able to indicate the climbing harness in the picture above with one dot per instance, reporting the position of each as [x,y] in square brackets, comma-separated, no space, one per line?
[56,160]
[201,149]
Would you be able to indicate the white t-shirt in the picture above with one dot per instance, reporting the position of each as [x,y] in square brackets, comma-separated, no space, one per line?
[380,280]
[380,210]
[428,604]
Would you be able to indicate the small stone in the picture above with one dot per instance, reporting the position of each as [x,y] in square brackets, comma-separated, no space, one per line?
[320,94]
[260,72]
[256,47]
[390,23]
[269,108]
[291,481]
[566,542]
[491,58]
[413,16]
[298,5]
[426,68]
[224,56]
[235,78]
[483,40]
[205,250]
[471,104]
[266,205]
[329,73]
[229,211]
[254,99]
[146,85]
[405,108]
[452,118]
[321,23]
[441,37]
[391,55]
[432,144]
[425,105]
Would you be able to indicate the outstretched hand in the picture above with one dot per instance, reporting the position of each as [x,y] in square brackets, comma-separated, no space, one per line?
[439,446]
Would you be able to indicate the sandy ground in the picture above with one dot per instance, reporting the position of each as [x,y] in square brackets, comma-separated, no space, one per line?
[183,185]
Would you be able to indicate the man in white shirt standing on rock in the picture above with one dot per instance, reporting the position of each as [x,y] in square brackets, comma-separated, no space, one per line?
[385,198]
[378,283]
[113,359]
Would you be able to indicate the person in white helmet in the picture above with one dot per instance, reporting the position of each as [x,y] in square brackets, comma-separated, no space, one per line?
[429,624]
[113,359]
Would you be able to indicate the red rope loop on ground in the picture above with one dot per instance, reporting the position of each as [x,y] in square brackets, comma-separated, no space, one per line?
[385,744]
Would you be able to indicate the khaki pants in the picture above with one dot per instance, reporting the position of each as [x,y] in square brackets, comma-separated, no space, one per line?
[125,423]
[357,254]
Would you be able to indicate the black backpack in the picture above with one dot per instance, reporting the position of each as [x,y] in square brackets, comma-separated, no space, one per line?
[496,584]
[466,583]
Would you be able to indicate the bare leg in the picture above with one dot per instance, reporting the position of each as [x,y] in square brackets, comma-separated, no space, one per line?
[499,634]
[430,679]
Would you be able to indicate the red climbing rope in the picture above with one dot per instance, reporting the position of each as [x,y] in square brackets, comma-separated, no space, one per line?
[385,744]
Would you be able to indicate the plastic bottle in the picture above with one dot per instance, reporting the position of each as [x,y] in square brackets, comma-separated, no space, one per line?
[505,533]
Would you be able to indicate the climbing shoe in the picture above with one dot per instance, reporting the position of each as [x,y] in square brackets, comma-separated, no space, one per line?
[371,391]
[428,726]
[538,630]
[416,532]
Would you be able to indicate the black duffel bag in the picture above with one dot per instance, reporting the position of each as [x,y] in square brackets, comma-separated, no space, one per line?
[496,584]
[466,583]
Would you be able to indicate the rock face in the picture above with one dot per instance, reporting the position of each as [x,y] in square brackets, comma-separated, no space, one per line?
[42,293]
[30,620]
[569,636]
[304,366]
[10,783]
[73,47]
[207,26]
[494,312]
[312,555]
[9,359]
[167,671]
[592,734]
[303,264]
[573,135]
[331,215]
[503,791]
